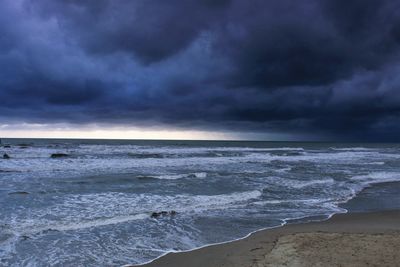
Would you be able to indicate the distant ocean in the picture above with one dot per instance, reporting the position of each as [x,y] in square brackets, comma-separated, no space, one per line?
[110,203]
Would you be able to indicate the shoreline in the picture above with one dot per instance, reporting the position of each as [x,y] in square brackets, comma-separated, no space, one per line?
[286,222]
[252,250]
[344,205]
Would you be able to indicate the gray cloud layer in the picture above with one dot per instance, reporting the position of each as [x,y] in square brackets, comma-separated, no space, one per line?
[327,67]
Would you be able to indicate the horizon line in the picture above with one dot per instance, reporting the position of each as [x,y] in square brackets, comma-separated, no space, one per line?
[197,140]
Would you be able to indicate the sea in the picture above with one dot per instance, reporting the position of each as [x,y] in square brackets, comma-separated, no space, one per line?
[118,202]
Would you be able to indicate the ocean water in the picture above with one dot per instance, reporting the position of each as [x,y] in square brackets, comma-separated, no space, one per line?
[94,207]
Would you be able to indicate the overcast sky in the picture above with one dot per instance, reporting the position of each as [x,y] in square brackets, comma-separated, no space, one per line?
[263,69]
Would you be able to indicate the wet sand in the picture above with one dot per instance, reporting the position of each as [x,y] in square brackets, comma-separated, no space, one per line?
[353,239]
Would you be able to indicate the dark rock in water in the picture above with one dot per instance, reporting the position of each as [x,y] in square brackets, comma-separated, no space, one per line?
[19,193]
[49,231]
[159,214]
[172,213]
[162,214]
[7,146]
[155,215]
[58,155]
[6,156]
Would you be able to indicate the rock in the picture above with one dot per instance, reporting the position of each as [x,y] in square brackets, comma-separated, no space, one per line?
[58,155]
[156,215]
[7,146]
[6,156]
[159,214]
[172,213]
[49,230]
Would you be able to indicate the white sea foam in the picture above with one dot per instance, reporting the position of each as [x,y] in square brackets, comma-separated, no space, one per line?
[378,177]
[181,176]
[93,210]
[37,161]
[310,201]
[374,163]
[327,204]
[301,184]
[298,184]
[287,169]
[30,227]
[352,148]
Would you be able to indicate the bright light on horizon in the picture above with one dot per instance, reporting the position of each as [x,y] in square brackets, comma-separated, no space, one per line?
[66,131]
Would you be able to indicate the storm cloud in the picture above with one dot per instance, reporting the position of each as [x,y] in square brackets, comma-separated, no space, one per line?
[322,67]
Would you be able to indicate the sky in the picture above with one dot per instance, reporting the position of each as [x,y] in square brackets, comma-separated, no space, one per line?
[201,69]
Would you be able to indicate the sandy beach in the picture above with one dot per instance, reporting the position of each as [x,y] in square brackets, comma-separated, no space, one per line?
[353,239]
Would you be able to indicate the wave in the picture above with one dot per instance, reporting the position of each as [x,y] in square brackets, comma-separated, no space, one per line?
[203,203]
[352,148]
[93,210]
[377,177]
[175,176]
[91,223]
[298,184]
[147,155]
[118,161]
[374,163]
[286,169]
[301,184]
[308,202]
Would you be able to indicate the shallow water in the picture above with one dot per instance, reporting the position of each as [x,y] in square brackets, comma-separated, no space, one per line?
[94,207]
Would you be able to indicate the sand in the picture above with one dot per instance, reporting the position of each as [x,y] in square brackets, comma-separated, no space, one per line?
[328,249]
[354,239]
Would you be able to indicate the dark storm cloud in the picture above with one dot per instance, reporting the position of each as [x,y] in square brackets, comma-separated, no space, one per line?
[150,30]
[320,67]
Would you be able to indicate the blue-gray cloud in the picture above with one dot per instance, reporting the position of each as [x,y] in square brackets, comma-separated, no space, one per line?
[325,67]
